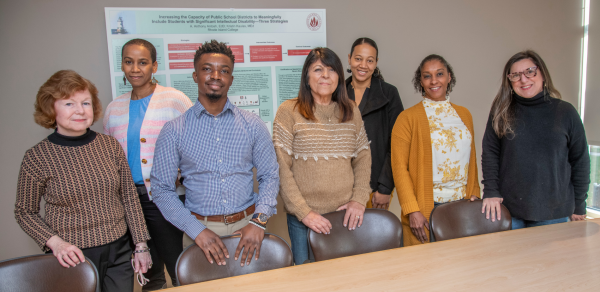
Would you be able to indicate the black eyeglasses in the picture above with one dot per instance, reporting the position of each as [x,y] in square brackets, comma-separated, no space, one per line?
[529,73]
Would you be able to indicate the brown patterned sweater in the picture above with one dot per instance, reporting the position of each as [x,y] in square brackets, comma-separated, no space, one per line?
[89,193]
[322,164]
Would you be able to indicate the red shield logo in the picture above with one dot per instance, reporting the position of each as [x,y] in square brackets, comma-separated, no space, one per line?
[313,21]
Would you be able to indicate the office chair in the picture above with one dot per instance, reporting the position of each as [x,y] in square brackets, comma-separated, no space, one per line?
[464,218]
[43,273]
[193,267]
[380,230]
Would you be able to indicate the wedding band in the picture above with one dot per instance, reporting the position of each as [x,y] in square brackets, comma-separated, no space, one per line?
[357,216]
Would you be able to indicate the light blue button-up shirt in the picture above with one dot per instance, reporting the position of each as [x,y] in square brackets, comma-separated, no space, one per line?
[216,155]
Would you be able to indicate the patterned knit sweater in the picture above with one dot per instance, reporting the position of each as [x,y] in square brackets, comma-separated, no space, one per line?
[322,164]
[89,193]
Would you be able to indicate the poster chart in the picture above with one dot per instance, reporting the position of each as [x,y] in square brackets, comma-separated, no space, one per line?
[270,46]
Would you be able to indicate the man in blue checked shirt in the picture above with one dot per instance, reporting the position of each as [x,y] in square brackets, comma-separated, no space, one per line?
[216,145]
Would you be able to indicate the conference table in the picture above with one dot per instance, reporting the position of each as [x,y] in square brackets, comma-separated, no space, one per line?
[558,257]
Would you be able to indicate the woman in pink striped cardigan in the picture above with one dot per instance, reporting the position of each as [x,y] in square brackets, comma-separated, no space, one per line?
[135,120]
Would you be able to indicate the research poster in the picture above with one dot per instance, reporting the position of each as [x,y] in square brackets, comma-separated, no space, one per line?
[270,46]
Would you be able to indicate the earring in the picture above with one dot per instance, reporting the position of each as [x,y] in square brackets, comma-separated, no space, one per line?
[154,81]
[124,80]
[422,92]
[348,69]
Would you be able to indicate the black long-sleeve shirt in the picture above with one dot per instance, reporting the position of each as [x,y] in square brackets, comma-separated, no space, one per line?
[543,170]
[379,107]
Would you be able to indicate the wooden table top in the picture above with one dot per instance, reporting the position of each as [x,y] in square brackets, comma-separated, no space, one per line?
[558,257]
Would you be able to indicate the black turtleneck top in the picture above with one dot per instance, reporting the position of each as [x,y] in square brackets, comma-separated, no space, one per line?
[63,140]
[543,170]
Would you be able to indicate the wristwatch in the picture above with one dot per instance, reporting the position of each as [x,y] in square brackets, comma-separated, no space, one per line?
[260,218]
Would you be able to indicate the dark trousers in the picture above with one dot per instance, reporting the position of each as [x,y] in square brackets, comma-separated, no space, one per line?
[113,261]
[165,246]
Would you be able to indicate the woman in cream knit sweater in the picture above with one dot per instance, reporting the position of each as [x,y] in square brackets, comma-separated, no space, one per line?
[323,152]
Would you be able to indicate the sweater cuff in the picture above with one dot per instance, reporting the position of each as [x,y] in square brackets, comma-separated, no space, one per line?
[361,196]
[143,238]
[44,240]
[303,212]
[384,190]
[491,194]
[408,208]
[580,208]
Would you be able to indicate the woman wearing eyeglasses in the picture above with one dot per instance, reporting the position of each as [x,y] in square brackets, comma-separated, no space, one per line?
[535,155]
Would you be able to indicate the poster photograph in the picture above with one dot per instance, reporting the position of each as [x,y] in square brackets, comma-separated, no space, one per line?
[269,45]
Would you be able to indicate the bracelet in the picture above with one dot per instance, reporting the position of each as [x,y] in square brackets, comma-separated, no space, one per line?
[146,249]
[258,225]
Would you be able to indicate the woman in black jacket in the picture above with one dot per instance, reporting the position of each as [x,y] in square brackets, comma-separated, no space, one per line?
[535,155]
[379,103]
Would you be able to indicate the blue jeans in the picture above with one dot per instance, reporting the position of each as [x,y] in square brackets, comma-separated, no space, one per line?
[518,223]
[299,238]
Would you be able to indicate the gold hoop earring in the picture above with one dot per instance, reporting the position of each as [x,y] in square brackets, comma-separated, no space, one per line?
[153,81]
[124,80]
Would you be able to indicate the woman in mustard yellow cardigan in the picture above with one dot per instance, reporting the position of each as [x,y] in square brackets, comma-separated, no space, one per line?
[433,150]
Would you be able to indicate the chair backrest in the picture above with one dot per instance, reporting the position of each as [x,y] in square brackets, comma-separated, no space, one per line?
[43,273]
[464,218]
[380,230]
[193,267]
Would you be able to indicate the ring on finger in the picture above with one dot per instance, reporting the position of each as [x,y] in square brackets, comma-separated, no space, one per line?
[357,216]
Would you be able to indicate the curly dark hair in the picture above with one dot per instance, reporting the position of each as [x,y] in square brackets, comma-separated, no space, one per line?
[417,78]
[214,47]
[144,43]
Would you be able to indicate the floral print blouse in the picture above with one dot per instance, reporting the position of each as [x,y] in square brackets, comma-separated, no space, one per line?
[451,150]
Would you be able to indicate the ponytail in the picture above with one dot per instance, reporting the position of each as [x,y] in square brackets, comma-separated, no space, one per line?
[377,74]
